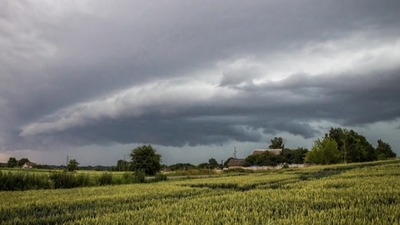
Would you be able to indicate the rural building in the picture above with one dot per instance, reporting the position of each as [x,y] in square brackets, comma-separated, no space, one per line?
[236,163]
[277,151]
[28,165]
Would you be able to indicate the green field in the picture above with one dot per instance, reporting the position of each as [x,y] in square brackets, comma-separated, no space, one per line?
[367,193]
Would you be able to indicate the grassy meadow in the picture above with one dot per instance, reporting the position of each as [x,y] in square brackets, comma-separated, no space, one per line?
[360,193]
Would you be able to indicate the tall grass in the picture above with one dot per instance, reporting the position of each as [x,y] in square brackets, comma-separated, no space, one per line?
[69,180]
[26,180]
[18,181]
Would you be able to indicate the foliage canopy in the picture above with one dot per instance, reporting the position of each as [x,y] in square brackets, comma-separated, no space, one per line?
[72,165]
[145,158]
[324,151]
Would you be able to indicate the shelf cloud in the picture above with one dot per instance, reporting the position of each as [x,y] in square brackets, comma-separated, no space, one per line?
[194,75]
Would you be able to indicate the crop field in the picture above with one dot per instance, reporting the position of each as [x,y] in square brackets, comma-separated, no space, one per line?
[367,193]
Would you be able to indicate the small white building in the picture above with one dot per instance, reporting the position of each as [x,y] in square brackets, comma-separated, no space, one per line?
[28,165]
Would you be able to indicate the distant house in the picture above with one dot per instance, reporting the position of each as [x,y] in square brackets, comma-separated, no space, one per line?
[236,163]
[28,165]
[277,151]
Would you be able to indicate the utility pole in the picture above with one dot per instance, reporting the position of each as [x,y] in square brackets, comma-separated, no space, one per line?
[234,152]
[67,161]
[125,163]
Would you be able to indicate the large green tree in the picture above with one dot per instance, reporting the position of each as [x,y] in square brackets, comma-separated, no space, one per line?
[145,159]
[352,146]
[72,165]
[384,150]
[22,161]
[213,163]
[277,143]
[324,151]
[12,162]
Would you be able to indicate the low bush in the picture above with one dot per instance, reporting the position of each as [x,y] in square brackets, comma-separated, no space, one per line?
[69,180]
[128,178]
[62,180]
[139,177]
[83,180]
[23,181]
[160,177]
[105,179]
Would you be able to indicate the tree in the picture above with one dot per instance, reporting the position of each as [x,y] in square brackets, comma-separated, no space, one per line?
[277,143]
[122,165]
[294,156]
[213,163]
[264,159]
[323,152]
[72,165]
[22,161]
[352,146]
[384,151]
[145,158]
[203,166]
[12,162]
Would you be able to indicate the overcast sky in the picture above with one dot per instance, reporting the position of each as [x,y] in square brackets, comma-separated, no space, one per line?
[94,79]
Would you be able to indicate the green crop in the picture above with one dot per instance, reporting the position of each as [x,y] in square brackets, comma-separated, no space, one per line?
[367,193]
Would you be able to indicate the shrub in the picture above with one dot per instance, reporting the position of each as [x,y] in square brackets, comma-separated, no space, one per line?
[23,181]
[82,180]
[63,180]
[105,179]
[139,177]
[160,177]
[128,178]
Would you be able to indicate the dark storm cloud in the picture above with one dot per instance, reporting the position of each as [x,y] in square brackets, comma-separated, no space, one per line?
[179,72]
[289,105]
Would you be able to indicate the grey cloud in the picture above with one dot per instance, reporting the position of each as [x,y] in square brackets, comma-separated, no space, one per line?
[354,104]
[53,60]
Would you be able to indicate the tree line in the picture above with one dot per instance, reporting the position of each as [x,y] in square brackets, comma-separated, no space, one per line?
[337,146]
[342,145]
[13,162]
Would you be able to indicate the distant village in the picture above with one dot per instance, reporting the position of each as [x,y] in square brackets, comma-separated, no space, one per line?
[337,146]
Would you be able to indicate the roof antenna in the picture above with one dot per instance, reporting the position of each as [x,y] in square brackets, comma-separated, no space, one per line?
[234,152]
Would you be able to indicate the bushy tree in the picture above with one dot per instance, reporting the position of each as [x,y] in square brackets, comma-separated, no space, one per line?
[203,166]
[352,146]
[145,158]
[294,156]
[277,143]
[22,161]
[213,163]
[324,151]
[12,162]
[265,159]
[384,150]
[72,165]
